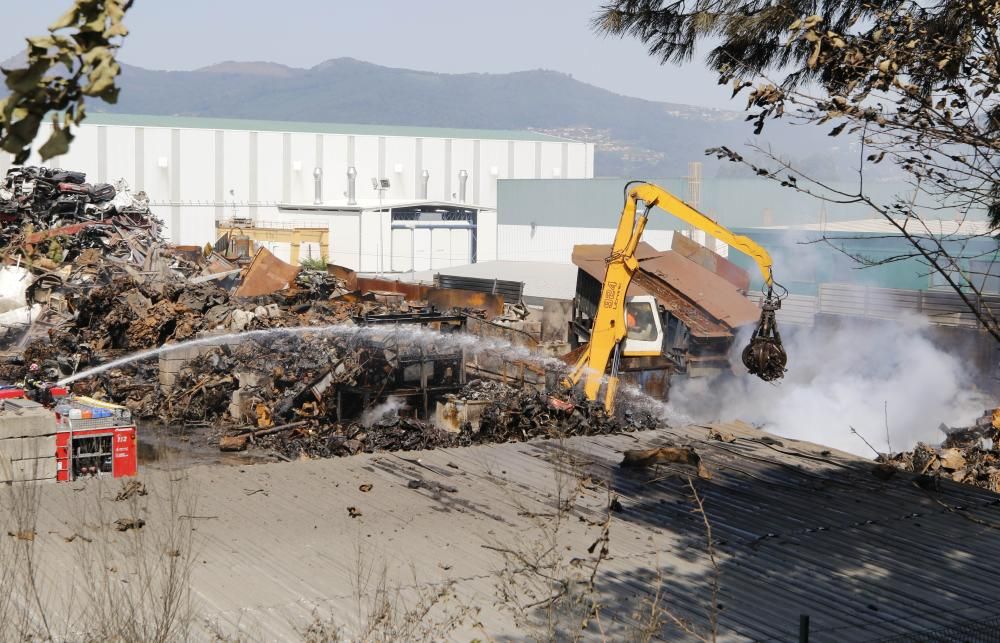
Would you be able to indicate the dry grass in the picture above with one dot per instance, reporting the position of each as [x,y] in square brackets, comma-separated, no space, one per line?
[387,611]
[131,585]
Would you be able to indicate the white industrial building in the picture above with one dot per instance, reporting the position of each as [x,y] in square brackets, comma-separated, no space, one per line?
[389,198]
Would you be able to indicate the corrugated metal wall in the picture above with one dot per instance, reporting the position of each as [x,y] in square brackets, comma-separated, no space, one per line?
[941,307]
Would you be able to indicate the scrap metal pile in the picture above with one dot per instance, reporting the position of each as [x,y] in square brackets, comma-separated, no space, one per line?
[512,414]
[49,198]
[87,278]
[93,283]
[968,455]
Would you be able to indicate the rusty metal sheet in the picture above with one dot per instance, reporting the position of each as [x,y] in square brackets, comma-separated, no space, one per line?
[678,279]
[68,230]
[217,263]
[446,298]
[714,262]
[653,382]
[574,355]
[346,275]
[698,321]
[192,253]
[412,291]
[266,274]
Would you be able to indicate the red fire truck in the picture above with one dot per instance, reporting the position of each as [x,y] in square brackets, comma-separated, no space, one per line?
[93,438]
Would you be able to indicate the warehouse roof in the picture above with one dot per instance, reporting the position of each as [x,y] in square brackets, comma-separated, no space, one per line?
[200,122]
[797,529]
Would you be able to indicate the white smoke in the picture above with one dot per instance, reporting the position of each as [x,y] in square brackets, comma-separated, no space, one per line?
[853,375]
[390,407]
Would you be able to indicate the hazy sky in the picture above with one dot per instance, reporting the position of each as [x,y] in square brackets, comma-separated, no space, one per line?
[433,35]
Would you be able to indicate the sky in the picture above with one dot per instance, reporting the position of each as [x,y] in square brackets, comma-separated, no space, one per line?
[449,36]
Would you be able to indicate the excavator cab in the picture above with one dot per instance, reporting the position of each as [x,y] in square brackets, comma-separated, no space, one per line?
[644,327]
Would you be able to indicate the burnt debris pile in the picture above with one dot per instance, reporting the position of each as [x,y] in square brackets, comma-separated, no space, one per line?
[298,361]
[508,414]
[969,455]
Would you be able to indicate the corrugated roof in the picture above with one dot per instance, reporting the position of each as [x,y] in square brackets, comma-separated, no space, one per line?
[698,285]
[798,529]
[199,122]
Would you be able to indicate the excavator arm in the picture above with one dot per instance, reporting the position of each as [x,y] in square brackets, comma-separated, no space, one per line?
[764,356]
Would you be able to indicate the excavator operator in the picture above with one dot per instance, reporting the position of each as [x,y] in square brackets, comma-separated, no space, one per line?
[639,322]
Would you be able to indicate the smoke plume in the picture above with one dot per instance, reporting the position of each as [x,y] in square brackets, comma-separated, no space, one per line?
[389,408]
[854,375]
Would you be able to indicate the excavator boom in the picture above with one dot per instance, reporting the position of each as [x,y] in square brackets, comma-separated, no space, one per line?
[764,356]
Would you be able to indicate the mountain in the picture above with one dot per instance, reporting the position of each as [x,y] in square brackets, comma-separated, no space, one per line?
[633,137]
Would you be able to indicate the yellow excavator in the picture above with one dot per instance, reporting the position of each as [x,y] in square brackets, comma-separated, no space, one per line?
[618,328]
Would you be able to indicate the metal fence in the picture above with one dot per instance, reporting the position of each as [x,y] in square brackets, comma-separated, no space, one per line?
[511,290]
[941,307]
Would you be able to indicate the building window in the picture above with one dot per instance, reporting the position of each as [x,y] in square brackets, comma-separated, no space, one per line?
[954,273]
[985,275]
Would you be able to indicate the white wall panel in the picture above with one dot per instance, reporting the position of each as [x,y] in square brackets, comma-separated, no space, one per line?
[375,238]
[401,249]
[461,159]
[400,152]
[524,160]
[486,236]
[82,154]
[303,154]
[422,249]
[578,162]
[196,191]
[440,244]
[492,156]
[366,162]
[269,167]
[197,166]
[460,247]
[433,158]
[552,161]
[335,167]
[344,240]
[121,154]
[197,225]
[236,170]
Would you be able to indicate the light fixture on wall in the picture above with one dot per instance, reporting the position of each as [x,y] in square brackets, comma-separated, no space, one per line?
[557,172]
[297,166]
[163,162]
[398,168]
[494,170]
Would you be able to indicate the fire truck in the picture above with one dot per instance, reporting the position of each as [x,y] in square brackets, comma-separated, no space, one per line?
[92,438]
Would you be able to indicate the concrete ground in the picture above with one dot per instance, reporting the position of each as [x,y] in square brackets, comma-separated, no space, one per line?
[797,529]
